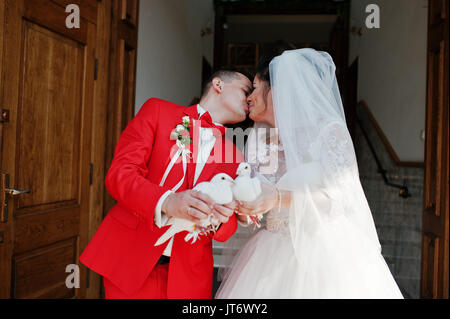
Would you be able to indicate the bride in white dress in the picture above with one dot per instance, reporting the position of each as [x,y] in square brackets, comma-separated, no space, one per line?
[319,239]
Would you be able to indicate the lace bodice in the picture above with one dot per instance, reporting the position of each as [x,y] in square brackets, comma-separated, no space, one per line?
[272,164]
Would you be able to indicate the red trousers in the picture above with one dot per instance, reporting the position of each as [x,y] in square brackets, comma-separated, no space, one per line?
[155,287]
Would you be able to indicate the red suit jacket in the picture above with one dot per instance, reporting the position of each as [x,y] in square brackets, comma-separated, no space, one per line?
[122,249]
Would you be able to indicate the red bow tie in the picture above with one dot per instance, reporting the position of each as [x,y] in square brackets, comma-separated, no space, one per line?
[206,121]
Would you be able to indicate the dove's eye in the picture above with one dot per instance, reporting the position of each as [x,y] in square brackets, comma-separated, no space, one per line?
[223,177]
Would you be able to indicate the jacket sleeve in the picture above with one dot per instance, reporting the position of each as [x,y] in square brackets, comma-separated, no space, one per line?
[126,179]
[226,230]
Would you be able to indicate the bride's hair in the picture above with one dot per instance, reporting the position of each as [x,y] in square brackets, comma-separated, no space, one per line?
[263,74]
[262,71]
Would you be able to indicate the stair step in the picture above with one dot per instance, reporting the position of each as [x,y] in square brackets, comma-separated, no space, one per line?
[399,219]
[402,250]
[399,234]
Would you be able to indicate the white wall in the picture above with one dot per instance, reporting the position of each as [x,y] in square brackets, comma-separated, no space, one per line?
[170,49]
[392,70]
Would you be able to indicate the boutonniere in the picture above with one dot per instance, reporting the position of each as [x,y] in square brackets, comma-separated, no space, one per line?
[181,133]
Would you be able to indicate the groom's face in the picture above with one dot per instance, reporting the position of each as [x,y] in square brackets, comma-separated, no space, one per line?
[234,97]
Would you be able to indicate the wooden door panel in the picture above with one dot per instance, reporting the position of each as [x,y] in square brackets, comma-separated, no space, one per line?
[434,148]
[437,11]
[127,60]
[38,230]
[41,273]
[53,16]
[430,270]
[2,35]
[128,11]
[50,123]
[88,8]
[48,87]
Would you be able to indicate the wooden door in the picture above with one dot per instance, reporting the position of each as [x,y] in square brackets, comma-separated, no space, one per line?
[122,86]
[48,83]
[434,283]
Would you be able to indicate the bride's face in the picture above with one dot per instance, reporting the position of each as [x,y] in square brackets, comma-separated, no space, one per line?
[260,103]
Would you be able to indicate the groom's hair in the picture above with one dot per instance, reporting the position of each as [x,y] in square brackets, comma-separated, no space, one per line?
[225,75]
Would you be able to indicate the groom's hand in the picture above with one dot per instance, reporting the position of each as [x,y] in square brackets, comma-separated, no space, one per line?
[224,212]
[191,205]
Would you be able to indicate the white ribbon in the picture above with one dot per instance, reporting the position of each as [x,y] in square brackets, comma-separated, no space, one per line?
[183,152]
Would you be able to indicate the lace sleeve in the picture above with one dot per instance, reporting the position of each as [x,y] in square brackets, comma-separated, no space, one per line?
[343,186]
[337,151]
[338,160]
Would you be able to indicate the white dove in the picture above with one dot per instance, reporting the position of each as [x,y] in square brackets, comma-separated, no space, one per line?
[247,189]
[219,189]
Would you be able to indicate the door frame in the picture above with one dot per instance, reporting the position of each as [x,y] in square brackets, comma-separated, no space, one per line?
[108,113]
[98,143]
[435,215]
[286,7]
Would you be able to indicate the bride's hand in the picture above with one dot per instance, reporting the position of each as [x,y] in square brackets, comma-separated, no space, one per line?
[267,200]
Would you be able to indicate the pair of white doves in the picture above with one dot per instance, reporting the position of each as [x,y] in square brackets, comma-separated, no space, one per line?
[222,188]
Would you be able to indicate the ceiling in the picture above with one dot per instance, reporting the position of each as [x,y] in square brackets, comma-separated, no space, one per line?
[270,28]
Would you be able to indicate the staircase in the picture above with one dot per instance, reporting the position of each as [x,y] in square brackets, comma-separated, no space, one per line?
[398,220]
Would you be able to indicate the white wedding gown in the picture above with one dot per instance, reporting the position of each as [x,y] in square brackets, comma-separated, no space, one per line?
[336,261]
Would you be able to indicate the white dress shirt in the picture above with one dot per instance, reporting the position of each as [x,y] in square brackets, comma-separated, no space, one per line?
[205,145]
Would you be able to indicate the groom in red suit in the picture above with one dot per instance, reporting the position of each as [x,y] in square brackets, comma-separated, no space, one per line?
[149,189]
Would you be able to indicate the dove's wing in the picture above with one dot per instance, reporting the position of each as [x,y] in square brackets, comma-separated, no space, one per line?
[177,225]
[221,194]
[202,187]
[206,188]
[238,189]
[256,187]
[246,189]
